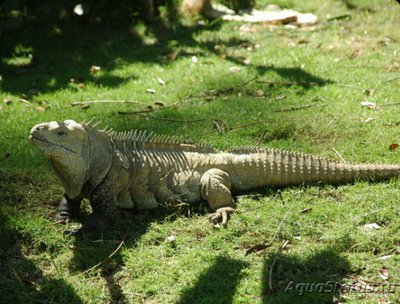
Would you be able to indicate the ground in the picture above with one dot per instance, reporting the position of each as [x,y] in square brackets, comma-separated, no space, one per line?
[329,89]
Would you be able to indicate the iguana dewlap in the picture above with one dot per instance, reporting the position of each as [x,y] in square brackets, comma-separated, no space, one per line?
[140,170]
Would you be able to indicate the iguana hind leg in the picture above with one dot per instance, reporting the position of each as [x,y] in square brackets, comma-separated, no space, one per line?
[216,190]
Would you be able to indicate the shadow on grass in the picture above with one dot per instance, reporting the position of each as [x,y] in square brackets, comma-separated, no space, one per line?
[102,252]
[21,281]
[45,56]
[294,74]
[217,284]
[294,278]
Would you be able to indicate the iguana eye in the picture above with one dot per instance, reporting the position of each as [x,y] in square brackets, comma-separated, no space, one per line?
[62,133]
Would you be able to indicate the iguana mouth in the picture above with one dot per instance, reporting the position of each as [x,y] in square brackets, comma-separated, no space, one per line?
[36,138]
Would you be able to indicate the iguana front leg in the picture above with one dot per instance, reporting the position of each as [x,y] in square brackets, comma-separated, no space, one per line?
[216,189]
[104,210]
[69,208]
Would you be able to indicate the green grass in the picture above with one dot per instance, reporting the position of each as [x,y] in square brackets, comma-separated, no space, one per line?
[347,58]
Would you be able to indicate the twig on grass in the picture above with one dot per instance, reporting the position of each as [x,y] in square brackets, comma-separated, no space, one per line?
[260,247]
[389,104]
[260,140]
[84,103]
[271,288]
[168,119]
[152,109]
[338,154]
[228,90]
[109,257]
[248,81]
[391,79]
[289,83]
[299,107]
[14,271]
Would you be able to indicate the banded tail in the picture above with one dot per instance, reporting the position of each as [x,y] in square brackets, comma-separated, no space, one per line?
[270,167]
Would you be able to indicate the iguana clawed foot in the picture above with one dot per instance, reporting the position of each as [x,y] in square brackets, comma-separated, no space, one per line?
[94,225]
[69,208]
[221,215]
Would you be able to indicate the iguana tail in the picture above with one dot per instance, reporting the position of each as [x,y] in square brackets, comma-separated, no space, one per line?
[272,167]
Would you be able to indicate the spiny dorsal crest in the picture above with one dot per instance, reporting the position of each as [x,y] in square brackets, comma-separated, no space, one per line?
[142,139]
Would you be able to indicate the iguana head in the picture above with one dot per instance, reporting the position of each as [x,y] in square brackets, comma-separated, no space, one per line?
[69,146]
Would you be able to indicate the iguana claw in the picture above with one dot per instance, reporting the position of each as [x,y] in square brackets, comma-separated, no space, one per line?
[221,214]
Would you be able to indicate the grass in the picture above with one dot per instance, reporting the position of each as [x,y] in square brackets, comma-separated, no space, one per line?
[173,255]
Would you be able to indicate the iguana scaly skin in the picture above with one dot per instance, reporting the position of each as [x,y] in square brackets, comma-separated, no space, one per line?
[140,170]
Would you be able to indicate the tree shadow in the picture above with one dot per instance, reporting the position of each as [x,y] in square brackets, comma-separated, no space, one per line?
[295,279]
[294,74]
[217,284]
[21,281]
[49,55]
[103,251]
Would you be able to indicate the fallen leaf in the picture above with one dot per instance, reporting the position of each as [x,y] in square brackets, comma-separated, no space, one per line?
[371,226]
[160,81]
[369,105]
[368,120]
[1,108]
[246,61]
[94,69]
[78,9]
[298,237]
[385,41]
[303,41]
[260,93]
[384,273]
[159,103]
[364,285]
[152,91]
[382,301]
[234,69]
[280,97]
[369,92]
[356,53]
[247,28]
[385,257]
[171,238]
[41,109]
[255,248]
[394,67]
[194,59]
[7,101]
[393,147]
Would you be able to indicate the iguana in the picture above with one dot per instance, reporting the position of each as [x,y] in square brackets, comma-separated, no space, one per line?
[139,170]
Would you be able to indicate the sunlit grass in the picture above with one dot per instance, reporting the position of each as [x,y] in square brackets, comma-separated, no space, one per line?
[302,88]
